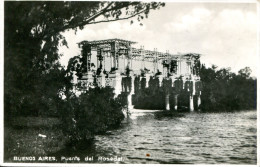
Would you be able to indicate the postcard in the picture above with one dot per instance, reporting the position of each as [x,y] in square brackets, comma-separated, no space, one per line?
[130,82]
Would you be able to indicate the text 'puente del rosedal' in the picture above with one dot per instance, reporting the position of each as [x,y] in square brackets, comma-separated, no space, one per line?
[116,63]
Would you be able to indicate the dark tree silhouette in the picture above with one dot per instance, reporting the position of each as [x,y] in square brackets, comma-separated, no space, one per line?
[33,77]
[226,91]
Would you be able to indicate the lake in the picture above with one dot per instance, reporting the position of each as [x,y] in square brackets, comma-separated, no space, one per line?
[185,138]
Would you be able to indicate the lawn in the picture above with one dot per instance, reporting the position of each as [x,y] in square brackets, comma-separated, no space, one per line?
[32,136]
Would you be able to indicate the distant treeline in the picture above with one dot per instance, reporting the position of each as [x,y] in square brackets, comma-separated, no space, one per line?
[227,91]
[221,90]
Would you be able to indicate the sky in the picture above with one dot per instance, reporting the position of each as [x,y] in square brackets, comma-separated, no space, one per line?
[224,33]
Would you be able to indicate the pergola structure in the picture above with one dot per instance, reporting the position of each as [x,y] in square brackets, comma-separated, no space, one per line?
[115,49]
[113,59]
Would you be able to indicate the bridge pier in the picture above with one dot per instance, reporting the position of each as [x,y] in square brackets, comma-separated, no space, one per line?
[199,101]
[160,77]
[129,101]
[147,78]
[173,80]
[131,92]
[191,103]
[167,102]
[176,102]
[117,79]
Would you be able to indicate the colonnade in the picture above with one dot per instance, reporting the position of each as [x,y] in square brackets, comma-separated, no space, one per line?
[113,49]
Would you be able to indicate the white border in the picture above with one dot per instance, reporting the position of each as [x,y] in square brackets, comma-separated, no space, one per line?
[2,82]
[258,84]
[81,164]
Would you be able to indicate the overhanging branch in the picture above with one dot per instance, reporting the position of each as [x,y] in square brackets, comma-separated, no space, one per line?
[125,18]
[108,8]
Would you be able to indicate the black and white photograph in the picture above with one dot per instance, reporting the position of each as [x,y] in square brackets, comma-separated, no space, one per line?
[129,82]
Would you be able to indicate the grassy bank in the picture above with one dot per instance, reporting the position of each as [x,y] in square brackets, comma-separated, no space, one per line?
[32,136]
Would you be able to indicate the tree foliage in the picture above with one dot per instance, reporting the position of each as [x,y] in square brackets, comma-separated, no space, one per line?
[226,91]
[32,36]
[221,90]
[92,112]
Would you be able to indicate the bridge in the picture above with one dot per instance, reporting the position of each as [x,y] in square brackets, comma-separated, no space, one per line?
[116,63]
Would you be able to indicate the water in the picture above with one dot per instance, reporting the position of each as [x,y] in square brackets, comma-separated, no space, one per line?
[188,138]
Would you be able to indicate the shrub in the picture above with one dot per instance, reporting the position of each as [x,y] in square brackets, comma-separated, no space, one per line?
[91,113]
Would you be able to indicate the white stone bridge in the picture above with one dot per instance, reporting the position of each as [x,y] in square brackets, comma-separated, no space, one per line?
[115,63]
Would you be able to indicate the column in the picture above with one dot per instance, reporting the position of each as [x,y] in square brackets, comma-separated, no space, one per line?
[86,53]
[199,100]
[129,56]
[167,102]
[98,62]
[142,54]
[104,59]
[117,60]
[132,85]
[111,60]
[131,92]
[173,80]
[125,62]
[117,84]
[101,80]
[189,67]
[129,101]
[178,67]
[140,83]
[131,63]
[147,79]
[193,87]
[191,103]
[184,82]
[99,57]
[155,61]
[175,102]
[160,77]
[165,71]
[113,55]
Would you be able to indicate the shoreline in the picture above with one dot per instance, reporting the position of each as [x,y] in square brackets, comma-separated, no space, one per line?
[41,141]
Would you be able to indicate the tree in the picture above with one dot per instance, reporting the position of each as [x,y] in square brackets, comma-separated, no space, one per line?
[226,91]
[91,113]
[32,37]
[245,72]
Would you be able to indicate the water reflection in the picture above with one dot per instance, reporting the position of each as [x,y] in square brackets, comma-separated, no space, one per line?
[168,115]
[189,138]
